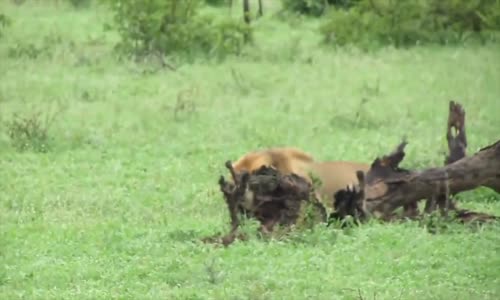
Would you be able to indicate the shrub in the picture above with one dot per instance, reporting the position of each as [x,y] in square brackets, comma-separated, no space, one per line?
[29,132]
[315,7]
[4,22]
[473,15]
[409,22]
[80,3]
[173,27]
[30,50]
[27,50]
[217,2]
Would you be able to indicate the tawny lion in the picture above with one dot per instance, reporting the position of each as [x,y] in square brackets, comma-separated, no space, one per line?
[334,175]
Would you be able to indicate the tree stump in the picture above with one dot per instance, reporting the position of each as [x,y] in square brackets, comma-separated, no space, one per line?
[271,198]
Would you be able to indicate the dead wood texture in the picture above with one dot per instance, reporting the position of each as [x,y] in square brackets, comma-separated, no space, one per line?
[457,144]
[457,147]
[389,187]
[269,197]
[386,186]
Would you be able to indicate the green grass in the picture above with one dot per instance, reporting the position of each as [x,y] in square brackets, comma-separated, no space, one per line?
[116,206]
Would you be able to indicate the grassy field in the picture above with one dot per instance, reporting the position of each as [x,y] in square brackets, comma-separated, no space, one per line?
[116,205]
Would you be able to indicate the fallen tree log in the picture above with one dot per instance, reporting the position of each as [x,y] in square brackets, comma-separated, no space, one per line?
[389,188]
[386,186]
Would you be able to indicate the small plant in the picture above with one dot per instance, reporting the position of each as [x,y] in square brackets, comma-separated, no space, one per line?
[30,132]
[240,82]
[435,223]
[214,275]
[185,103]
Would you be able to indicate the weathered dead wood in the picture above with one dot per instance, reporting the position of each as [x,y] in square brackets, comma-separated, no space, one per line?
[468,216]
[389,187]
[386,186]
[269,197]
[457,144]
[350,202]
[457,147]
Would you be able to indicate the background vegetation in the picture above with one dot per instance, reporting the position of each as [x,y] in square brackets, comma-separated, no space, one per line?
[116,119]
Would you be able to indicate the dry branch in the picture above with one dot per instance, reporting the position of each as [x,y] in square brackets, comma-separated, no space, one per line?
[457,145]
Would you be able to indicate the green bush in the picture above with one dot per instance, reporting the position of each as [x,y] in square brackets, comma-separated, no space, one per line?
[4,22]
[80,3]
[174,27]
[474,15]
[217,2]
[408,22]
[315,7]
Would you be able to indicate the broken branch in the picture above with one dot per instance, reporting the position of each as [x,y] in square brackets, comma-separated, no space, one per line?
[457,145]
